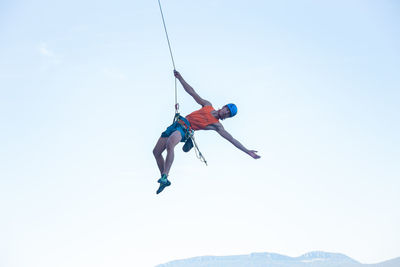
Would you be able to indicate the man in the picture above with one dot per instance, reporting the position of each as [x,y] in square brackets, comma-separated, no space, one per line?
[206,118]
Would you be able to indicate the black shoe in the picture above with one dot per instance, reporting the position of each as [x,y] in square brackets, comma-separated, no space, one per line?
[188,145]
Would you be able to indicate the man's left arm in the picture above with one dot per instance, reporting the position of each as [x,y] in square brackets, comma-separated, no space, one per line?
[221,130]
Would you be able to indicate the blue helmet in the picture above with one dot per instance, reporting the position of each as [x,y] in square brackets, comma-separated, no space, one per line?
[233,109]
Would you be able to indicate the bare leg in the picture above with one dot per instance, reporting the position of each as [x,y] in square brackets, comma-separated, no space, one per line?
[172,141]
[157,152]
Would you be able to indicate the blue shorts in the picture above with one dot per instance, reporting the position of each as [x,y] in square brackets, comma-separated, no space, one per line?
[176,127]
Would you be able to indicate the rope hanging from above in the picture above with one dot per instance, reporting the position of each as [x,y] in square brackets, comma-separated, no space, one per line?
[172,57]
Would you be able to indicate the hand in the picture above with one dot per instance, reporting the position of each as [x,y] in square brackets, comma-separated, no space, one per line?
[253,154]
[177,74]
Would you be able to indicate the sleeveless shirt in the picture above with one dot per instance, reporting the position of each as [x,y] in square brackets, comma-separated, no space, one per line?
[201,118]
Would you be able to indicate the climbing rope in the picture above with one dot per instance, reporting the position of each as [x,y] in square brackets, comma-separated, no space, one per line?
[172,57]
[198,153]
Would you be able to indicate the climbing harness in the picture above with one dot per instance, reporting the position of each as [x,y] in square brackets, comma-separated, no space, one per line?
[189,139]
[189,132]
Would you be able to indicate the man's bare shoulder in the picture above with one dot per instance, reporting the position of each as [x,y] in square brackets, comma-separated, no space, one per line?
[207,103]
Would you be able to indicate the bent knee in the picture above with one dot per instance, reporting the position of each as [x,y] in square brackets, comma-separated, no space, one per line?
[157,152]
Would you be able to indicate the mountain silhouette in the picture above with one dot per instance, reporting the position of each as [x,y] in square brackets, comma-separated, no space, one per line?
[311,259]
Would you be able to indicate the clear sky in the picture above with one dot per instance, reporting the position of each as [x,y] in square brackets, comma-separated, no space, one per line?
[86,88]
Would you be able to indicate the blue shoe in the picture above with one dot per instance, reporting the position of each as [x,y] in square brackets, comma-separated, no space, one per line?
[164,182]
[188,145]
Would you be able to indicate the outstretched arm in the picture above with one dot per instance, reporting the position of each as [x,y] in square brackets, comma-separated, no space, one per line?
[191,91]
[221,130]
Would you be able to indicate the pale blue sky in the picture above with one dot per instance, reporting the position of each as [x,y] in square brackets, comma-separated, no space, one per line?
[87,88]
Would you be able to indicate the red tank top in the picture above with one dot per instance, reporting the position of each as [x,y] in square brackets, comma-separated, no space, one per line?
[201,118]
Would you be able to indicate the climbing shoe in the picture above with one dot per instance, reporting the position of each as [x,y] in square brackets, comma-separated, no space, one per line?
[164,182]
[188,145]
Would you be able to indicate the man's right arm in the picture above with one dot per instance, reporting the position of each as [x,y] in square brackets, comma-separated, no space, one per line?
[191,91]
